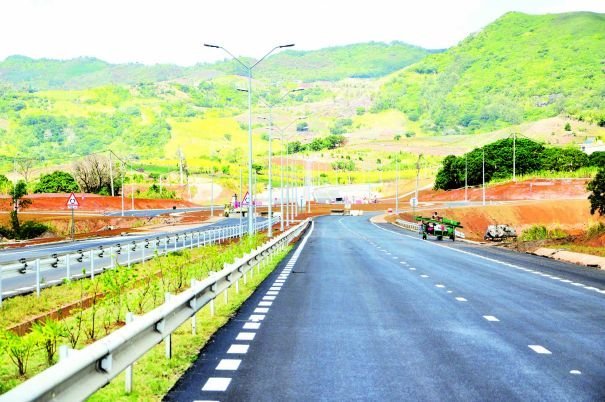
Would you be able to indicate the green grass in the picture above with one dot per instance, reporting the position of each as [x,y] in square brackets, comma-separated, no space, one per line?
[154,375]
[541,232]
[138,289]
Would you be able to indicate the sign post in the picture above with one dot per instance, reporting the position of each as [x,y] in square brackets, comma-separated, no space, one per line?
[72,203]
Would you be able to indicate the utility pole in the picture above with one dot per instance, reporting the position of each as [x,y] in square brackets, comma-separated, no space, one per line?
[417,180]
[111,173]
[122,189]
[212,193]
[132,188]
[181,165]
[514,156]
[466,178]
[484,176]
[397,184]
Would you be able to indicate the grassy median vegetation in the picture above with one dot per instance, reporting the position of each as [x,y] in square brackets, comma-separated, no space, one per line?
[101,306]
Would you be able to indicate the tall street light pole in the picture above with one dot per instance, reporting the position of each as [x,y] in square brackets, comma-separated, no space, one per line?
[483,174]
[284,145]
[249,68]
[270,107]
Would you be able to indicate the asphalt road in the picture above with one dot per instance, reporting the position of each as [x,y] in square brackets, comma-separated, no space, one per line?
[370,312]
[155,212]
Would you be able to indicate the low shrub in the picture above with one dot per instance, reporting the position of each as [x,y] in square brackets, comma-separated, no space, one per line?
[596,229]
[541,232]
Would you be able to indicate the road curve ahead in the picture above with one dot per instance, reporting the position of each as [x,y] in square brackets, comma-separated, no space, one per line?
[368,312]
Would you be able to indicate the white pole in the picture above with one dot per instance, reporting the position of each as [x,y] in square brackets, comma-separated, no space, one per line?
[465,178]
[514,156]
[212,191]
[396,184]
[250,189]
[281,184]
[111,173]
[483,176]
[270,225]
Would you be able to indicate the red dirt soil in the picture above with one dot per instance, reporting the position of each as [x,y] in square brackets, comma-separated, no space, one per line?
[93,203]
[536,189]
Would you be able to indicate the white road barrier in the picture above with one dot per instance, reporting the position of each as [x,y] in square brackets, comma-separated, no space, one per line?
[89,261]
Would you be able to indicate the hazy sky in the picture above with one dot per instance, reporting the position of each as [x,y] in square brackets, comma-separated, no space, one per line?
[172,31]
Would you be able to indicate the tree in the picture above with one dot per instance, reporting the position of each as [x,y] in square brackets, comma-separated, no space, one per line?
[92,174]
[302,126]
[24,168]
[5,184]
[56,182]
[595,159]
[597,197]
[17,201]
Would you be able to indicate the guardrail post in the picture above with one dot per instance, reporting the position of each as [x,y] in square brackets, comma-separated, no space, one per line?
[176,240]
[211,273]
[198,239]
[168,339]
[237,286]
[0,286]
[128,256]
[65,351]
[193,317]
[166,245]
[128,371]
[111,260]
[68,267]
[38,277]
[143,251]
[92,265]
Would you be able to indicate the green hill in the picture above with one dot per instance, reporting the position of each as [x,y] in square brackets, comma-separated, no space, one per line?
[519,68]
[330,64]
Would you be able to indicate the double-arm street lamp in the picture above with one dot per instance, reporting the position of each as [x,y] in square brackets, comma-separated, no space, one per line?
[270,106]
[248,68]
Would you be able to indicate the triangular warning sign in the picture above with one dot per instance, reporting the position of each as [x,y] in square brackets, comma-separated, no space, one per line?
[246,199]
[72,202]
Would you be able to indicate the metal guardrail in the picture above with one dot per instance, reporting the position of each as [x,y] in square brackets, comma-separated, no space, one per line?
[94,260]
[83,372]
[413,226]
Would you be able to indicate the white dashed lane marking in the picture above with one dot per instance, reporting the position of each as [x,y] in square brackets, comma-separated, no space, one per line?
[424,276]
[229,364]
[256,317]
[491,318]
[268,297]
[251,325]
[245,336]
[540,349]
[216,384]
[439,286]
[575,372]
[265,304]
[261,310]
[238,349]
[461,299]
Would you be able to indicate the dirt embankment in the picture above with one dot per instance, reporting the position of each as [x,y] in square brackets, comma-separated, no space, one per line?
[93,203]
[536,189]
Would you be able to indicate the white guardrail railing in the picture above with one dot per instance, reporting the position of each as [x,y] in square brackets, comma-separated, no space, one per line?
[89,261]
[82,372]
[414,227]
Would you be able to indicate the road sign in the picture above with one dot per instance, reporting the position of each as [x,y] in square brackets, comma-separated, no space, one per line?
[414,202]
[246,199]
[72,202]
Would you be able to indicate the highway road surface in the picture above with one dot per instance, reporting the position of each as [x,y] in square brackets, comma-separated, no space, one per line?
[370,312]
[148,213]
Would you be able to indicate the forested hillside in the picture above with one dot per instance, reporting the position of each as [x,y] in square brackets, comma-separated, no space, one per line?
[519,68]
[330,64]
